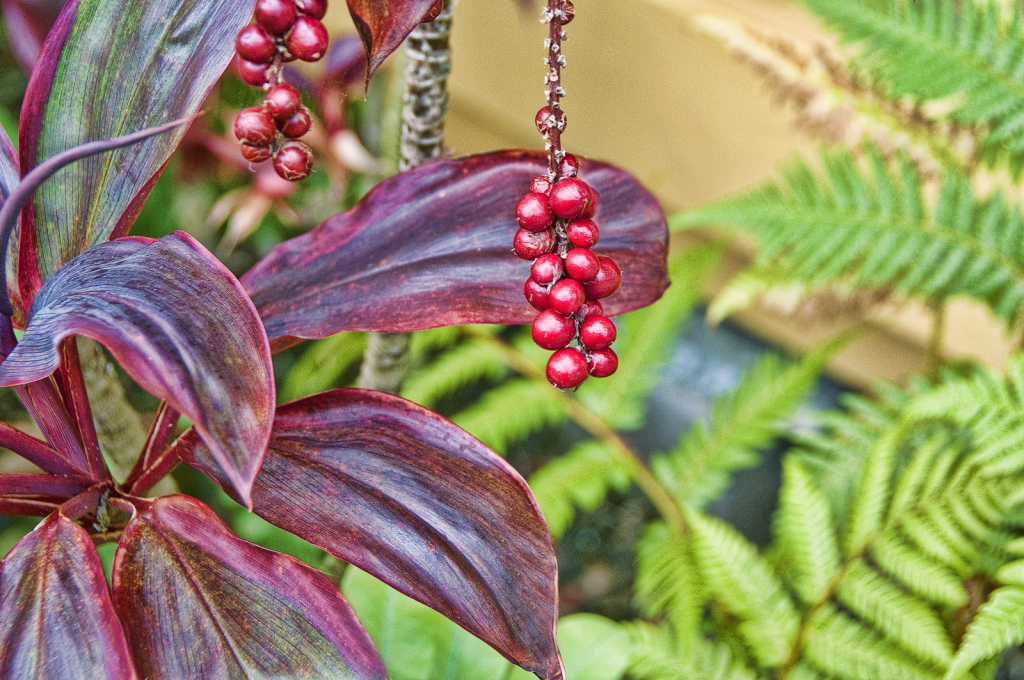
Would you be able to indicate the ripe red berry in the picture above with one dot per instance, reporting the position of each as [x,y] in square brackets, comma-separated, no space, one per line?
[282,101]
[293,161]
[590,309]
[533,212]
[308,39]
[253,43]
[569,198]
[582,265]
[314,8]
[607,281]
[540,185]
[252,73]
[255,154]
[551,330]
[582,232]
[547,269]
[277,16]
[537,295]
[595,202]
[566,369]
[255,126]
[433,13]
[297,125]
[603,362]
[570,166]
[567,296]
[530,245]
[548,119]
[597,332]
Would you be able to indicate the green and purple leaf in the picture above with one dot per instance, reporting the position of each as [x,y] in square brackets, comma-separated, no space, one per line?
[199,602]
[411,498]
[109,67]
[56,618]
[27,22]
[180,324]
[433,247]
[384,24]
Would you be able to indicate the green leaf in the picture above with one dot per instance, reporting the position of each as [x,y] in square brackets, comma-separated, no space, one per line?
[998,625]
[668,582]
[593,648]
[656,656]
[322,364]
[513,411]
[466,364]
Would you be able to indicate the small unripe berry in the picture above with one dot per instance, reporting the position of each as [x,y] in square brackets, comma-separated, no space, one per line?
[570,166]
[597,332]
[282,101]
[253,43]
[582,265]
[252,73]
[566,369]
[607,281]
[590,309]
[570,12]
[308,39]
[533,212]
[540,185]
[314,8]
[277,16]
[255,154]
[551,330]
[255,126]
[548,119]
[603,362]
[569,198]
[530,245]
[582,232]
[537,295]
[293,161]
[595,203]
[433,13]
[567,296]
[547,269]
[297,125]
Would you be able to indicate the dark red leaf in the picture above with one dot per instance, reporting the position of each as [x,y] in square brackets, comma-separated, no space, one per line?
[433,247]
[199,602]
[345,64]
[9,172]
[56,618]
[181,326]
[411,498]
[27,22]
[384,24]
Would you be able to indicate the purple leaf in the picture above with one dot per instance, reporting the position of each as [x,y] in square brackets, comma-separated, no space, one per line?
[56,617]
[9,172]
[433,247]
[384,24]
[409,497]
[345,64]
[27,23]
[199,602]
[110,67]
[180,324]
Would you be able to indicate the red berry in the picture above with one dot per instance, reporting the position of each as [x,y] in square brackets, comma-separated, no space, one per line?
[603,362]
[569,198]
[255,154]
[314,8]
[567,368]
[548,119]
[252,73]
[433,13]
[590,309]
[297,125]
[570,166]
[253,43]
[277,16]
[547,269]
[582,265]
[540,185]
[597,332]
[308,40]
[530,245]
[570,12]
[567,296]
[551,330]
[582,232]
[537,295]
[293,161]
[255,126]
[607,281]
[595,202]
[282,101]
[533,212]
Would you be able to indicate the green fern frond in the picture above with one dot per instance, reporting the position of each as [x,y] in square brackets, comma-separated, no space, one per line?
[322,365]
[998,625]
[466,364]
[917,573]
[667,582]
[656,656]
[511,412]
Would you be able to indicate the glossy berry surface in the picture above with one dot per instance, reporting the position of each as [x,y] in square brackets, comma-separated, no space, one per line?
[569,198]
[547,269]
[607,281]
[582,264]
[253,43]
[551,330]
[308,39]
[590,309]
[597,332]
[530,245]
[567,296]
[433,13]
[566,369]
[537,295]
[282,101]
[297,125]
[255,126]
[570,166]
[547,119]
[595,203]
[540,185]
[603,362]
[533,212]
[255,154]
[252,73]
[313,8]
[582,232]
[293,161]
[277,16]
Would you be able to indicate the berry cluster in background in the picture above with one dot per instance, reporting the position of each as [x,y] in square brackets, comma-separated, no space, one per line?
[557,231]
[285,30]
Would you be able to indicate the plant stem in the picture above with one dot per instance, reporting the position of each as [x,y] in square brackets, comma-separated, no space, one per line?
[935,340]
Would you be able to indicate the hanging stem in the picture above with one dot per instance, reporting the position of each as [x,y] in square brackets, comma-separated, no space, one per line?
[935,339]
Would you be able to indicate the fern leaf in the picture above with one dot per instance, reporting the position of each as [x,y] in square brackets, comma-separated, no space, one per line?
[667,581]
[579,478]
[869,508]
[919,574]
[322,365]
[657,657]
[466,364]
[999,624]
[511,412]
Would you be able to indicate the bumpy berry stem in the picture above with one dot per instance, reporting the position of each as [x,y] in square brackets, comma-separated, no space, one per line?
[554,15]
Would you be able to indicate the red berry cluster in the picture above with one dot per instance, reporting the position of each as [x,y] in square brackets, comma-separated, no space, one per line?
[285,30]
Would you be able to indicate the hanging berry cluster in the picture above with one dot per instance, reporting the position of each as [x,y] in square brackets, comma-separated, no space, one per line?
[557,232]
[285,30]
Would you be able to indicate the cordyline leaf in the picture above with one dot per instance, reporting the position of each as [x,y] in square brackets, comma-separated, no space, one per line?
[411,498]
[199,602]
[179,323]
[27,22]
[384,24]
[8,166]
[110,66]
[433,247]
[56,618]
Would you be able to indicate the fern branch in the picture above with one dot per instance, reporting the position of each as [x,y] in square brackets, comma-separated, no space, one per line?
[466,364]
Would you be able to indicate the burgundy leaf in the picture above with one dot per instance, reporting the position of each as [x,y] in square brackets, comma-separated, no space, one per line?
[199,602]
[27,22]
[433,247]
[384,24]
[411,498]
[181,326]
[9,173]
[56,618]
[345,64]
